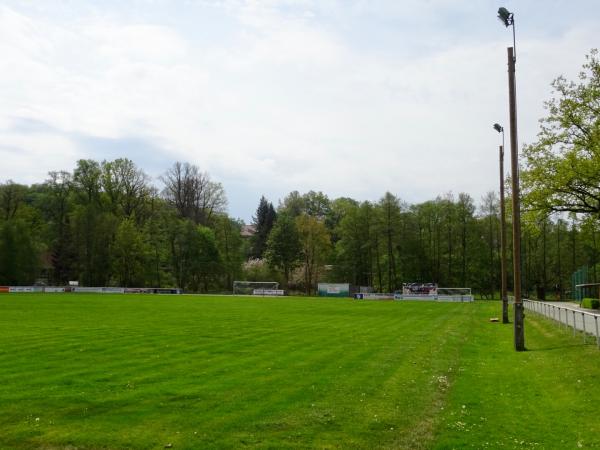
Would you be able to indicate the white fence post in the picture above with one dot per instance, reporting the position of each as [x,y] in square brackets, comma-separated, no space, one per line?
[559,321]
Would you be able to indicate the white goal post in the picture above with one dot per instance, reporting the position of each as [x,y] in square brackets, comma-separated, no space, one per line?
[248,287]
[430,291]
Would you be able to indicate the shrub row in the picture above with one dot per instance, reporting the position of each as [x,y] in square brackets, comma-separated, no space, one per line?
[590,303]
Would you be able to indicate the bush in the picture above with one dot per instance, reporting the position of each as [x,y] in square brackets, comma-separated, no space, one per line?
[590,303]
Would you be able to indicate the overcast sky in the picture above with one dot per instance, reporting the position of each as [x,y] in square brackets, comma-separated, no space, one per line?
[349,97]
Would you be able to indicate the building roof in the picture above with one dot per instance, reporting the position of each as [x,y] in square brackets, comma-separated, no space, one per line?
[248,231]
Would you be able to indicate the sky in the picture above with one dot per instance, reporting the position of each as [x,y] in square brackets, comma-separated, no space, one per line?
[349,97]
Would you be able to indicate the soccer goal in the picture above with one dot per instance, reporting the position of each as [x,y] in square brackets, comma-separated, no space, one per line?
[431,291]
[454,294]
[249,287]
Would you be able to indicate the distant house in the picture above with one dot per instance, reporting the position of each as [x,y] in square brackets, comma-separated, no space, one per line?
[248,231]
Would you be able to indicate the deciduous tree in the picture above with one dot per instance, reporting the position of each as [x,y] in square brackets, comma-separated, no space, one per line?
[283,246]
[563,167]
[315,243]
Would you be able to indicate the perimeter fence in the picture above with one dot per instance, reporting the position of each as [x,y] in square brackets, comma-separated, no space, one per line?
[570,317]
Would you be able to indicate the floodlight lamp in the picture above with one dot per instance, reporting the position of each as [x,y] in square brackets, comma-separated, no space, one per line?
[505,16]
[498,128]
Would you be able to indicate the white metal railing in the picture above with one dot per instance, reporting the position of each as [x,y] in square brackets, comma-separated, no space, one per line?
[578,320]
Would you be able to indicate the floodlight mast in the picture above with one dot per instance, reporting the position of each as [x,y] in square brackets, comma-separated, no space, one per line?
[503,284]
[508,19]
[519,328]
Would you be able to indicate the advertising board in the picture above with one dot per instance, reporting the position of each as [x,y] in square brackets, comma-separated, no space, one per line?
[373,296]
[113,290]
[275,292]
[54,289]
[334,289]
[19,289]
[83,289]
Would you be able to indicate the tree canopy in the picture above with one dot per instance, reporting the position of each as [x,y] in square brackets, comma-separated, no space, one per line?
[563,167]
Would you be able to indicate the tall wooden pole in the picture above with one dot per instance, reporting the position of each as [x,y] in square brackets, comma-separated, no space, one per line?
[503,289]
[514,153]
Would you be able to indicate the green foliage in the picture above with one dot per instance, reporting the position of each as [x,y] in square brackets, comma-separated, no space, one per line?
[130,255]
[125,187]
[590,303]
[195,257]
[12,196]
[293,204]
[283,246]
[263,223]
[87,181]
[93,234]
[160,216]
[314,204]
[563,167]
[104,225]
[388,227]
[315,243]
[231,247]
[354,251]
[20,253]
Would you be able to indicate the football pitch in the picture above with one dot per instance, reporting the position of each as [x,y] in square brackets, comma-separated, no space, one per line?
[91,371]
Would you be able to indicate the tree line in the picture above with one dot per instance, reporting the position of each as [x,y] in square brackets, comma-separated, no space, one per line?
[105,223]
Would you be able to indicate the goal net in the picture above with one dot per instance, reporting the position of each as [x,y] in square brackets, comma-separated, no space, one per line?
[248,287]
[454,291]
[431,291]
[455,294]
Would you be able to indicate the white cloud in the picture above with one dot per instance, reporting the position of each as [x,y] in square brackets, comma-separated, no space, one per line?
[282,100]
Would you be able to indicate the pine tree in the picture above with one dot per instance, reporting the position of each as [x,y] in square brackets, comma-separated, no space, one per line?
[263,223]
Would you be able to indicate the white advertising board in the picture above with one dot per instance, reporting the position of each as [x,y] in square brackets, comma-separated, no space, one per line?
[86,289]
[268,292]
[373,296]
[18,289]
[113,290]
[54,289]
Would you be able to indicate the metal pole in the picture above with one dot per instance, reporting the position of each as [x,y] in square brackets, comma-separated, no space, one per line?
[516,208]
[503,293]
[597,335]
[583,323]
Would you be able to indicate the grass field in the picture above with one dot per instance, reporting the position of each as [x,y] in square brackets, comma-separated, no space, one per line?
[145,372]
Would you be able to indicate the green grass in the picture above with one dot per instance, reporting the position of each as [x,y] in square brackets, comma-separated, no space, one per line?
[141,372]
